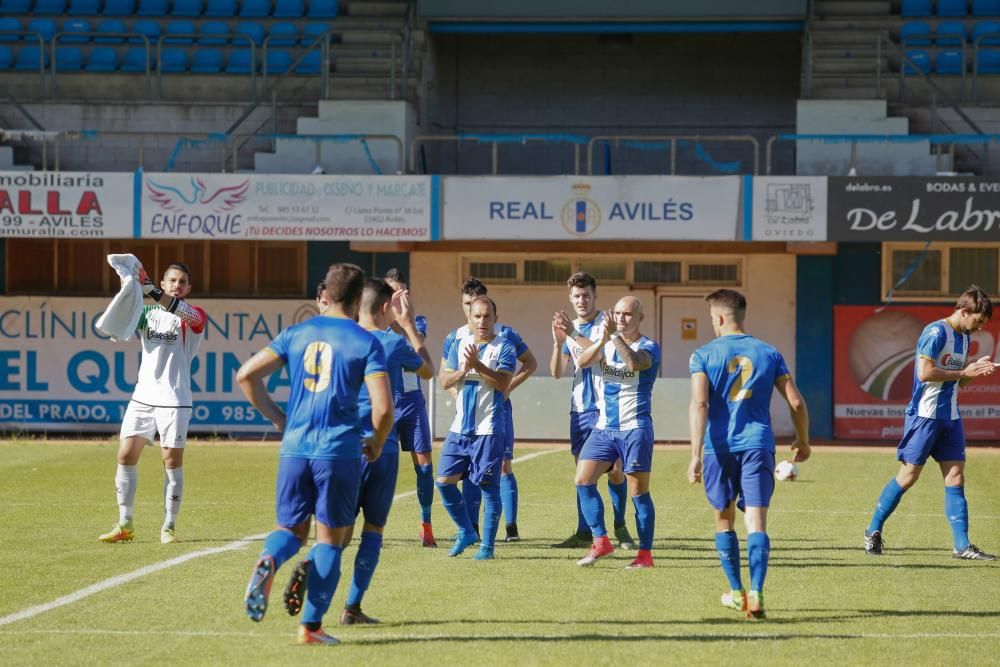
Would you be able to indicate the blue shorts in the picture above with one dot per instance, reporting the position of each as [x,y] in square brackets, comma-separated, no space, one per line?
[944,439]
[328,489]
[508,431]
[378,486]
[412,424]
[476,457]
[634,447]
[746,476]
[580,426]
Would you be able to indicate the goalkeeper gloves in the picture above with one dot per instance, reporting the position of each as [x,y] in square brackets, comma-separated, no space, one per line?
[148,288]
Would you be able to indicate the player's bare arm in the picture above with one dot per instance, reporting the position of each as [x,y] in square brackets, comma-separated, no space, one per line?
[173,288]
[928,372]
[985,360]
[558,361]
[402,306]
[593,353]
[800,416]
[697,419]
[528,366]
[251,377]
[380,392]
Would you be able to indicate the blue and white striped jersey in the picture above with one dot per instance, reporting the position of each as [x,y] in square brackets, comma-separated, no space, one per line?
[947,348]
[479,409]
[625,397]
[584,398]
[464,335]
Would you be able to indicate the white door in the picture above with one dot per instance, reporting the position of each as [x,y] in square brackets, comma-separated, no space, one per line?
[684,327]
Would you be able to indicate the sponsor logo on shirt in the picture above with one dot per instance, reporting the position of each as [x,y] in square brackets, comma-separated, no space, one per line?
[621,373]
[165,337]
[953,362]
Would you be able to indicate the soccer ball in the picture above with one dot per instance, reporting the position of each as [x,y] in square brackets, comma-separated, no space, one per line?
[786,471]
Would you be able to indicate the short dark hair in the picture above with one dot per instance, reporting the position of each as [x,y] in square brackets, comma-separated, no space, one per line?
[583,280]
[484,299]
[320,288]
[180,266]
[395,275]
[375,294]
[344,283]
[974,300]
[730,299]
[473,286]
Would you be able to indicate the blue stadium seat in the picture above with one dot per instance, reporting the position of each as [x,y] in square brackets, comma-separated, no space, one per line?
[84,7]
[289,9]
[952,8]
[986,7]
[213,32]
[254,31]
[147,27]
[69,59]
[15,6]
[207,61]
[323,9]
[916,8]
[310,63]
[915,33]
[119,7]
[135,60]
[239,62]
[6,57]
[312,30]
[153,8]
[949,62]
[278,61]
[986,28]
[220,8]
[30,58]
[102,59]
[76,26]
[179,28]
[45,27]
[283,34]
[950,33]
[49,7]
[186,8]
[921,60]
[9,24]
[255,8]
[110,25]
[988,61]
[173,60]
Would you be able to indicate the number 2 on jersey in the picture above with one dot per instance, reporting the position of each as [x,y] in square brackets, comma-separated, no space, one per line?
[317,359]
[739,391]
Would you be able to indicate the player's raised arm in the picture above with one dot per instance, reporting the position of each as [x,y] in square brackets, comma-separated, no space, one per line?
[799,413]
[558,361]
[697,420]
[195,317]
[250,378]
[594,353]
[405,318]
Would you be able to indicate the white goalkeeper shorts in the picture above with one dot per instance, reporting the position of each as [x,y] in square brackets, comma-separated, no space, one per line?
[146,421]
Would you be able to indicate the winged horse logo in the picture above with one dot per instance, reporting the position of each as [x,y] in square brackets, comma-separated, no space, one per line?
[223,199]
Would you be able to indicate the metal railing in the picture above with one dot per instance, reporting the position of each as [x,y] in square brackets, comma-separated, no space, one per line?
[42,54]
[670,142]
[494,140]
[128,38]
[236,142]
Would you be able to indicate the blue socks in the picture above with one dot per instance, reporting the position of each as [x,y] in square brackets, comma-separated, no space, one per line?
[280,545]
[957,510]
[581,521]
[593,508]
[728,546]
[425,490]
[645,519]
[491,517]
[473,498]
[321,582]
[365,563]
[758,551]
[618,493]
[454,504]
[508,495]
[887,503]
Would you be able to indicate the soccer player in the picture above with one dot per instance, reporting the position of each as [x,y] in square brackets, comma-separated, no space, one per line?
[732,379]
[329,359]
[170,331]
[473,288]
[628,363]
[933,425]
[569,338]
[414,427]
[321,303]
[481,370]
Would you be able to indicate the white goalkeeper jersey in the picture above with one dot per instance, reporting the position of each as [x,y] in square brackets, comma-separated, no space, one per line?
[168,346]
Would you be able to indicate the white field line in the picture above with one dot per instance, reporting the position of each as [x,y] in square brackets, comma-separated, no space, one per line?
[122,579]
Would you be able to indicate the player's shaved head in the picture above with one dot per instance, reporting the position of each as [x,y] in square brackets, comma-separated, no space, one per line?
[487,300]
[729,301]
[344,283]
[375,295]
[629,304]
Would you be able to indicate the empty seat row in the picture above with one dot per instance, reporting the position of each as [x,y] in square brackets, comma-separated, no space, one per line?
[948,33]
[950,8]
[210,32]
[211,8]
[172,60]
[951,62]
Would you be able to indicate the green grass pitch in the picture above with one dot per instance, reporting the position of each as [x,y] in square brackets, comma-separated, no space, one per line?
[827,602]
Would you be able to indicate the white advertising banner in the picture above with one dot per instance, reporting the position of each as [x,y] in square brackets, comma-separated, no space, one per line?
[284,207]
[601,207]
[58,373]
[63,204]
[789,208]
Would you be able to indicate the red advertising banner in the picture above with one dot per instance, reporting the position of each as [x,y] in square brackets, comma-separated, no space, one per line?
[873,356]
